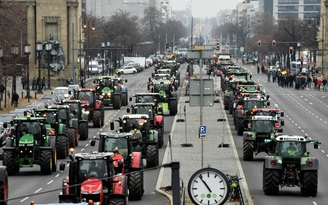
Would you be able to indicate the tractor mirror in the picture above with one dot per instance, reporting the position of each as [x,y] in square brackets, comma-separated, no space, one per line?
[111,125]
[268,97]
[93,143]
[316,146]
[62,167]
[128,110]
[94,82]
[282,114]
[160,109]
[4,125]
[282,122]
[126,80]
[268,103]
[130,99]
[70,92]
[25,113]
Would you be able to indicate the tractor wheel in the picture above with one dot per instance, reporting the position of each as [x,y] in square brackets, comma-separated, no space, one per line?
[173,106]
[230,108]
[310,183]
[124,98]
[83,130]
[226,103]
[152,156]
[9,161]
[72,139]
[102,116]
[61,146]
[46,162]
[135,186]
[54,160]
[160,138]
[116,201]
[248,147]
[270,181]
[96,118]
[235,122]
[240,126]
[3,186]
[117,102]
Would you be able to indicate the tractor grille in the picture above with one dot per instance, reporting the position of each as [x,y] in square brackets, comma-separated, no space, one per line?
[93,197]
[25,151]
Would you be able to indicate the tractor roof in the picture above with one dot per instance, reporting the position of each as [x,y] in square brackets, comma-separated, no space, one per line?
[155,94]
[283,137]
[275,110]
[58,107]
[86,90]
[135,116]
[29,118]
[262,117]
[115,134]
[95,155]
[71,101]
[143,104]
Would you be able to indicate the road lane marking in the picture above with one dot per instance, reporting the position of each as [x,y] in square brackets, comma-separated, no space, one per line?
[57,175]
[38,190]
[50,182]
[24,199]
[82,149]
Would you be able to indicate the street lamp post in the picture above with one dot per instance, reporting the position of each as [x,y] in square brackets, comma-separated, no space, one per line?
[27,51]
[39,49]
[103,57]
[14,52]
[109,59]
[2,90]
[48,49]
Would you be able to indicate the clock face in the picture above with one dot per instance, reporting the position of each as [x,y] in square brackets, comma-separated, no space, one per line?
[208,186]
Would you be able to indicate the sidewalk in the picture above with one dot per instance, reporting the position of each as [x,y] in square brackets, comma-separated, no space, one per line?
[22,93]
[218,132]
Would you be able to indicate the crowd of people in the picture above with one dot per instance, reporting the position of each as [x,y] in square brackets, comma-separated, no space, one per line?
[299,81]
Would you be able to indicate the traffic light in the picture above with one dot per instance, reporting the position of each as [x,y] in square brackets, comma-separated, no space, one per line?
[167,46]
[291,50]
[259,43]
[130,49]
[217,45]
[274,43]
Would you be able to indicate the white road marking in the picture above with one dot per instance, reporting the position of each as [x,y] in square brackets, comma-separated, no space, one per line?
[323,151]
[38,190]
[82,149]
[310,103]
[24,199]
[50,182]
[57,175]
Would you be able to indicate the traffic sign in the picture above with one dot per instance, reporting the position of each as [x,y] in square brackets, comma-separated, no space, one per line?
[202,131]
[199,47]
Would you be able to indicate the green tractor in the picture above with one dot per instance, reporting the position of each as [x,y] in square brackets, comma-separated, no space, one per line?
[112,91]
[78,119]
[127,149]
[291,166]
[244,111]
[261,128]
[139,125]
[59,128]
[30,144]
[156,120]
[167,96]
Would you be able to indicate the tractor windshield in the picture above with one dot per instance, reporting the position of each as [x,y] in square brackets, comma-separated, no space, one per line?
[62,115]
[121,143]
[89,168]
[162,86]
[144,110]
[145,99]
[292,149]
[50,116]
[133,123]
[33,128]
[262,126]
[74,109]
[88,96]
[250,104]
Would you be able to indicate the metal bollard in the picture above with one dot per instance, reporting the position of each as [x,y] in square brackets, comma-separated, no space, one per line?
[22,94]
[35,94]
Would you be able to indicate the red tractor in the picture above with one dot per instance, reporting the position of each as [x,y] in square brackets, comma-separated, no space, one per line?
[91,103]
[92,177]
[123,145]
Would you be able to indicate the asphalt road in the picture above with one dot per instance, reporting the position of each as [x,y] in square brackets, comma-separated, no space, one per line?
[305,113]
[29,184]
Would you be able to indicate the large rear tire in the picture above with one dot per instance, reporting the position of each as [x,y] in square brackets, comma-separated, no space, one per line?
[173,107]
[226,103]
[54,160]
[124,101]
[83,130]
[61,146]
[270,181]
[116,201]
[96,118]
[248,147]
[135,186]
[240,126]
[9,161]
[160,138]
[71,137]
[310,183]
[117,102]
[46,162]
[152,156]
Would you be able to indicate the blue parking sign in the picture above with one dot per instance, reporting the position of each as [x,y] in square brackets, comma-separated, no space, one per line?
[202,131]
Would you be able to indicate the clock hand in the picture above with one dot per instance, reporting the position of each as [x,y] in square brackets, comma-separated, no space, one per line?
[201,178]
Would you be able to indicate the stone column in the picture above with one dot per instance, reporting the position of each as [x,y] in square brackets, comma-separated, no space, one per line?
[72,18]
[325,40]
[31,32]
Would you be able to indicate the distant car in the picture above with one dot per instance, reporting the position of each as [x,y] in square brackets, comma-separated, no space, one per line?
[62,92]
[127,70]
[36,105]
[73,87]
[5,132]
[50,99]
[273,68]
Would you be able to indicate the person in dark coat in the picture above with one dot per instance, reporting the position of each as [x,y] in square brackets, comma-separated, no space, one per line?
[15,99]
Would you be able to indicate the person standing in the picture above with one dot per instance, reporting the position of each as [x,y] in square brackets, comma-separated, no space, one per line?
[324,84]
[15,99]
[319,82]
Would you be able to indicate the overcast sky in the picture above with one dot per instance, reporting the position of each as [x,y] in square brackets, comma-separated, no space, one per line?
[205,8]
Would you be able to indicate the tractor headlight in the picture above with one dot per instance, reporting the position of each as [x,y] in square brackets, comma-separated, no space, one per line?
[103,94]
